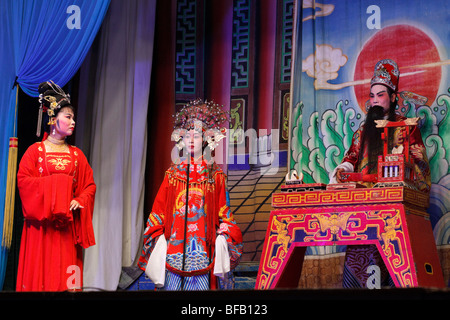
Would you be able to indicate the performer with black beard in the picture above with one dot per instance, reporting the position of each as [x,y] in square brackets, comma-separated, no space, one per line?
[362,156]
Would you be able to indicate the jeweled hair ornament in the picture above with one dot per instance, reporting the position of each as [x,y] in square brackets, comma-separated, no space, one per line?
[51,98]
[205,117]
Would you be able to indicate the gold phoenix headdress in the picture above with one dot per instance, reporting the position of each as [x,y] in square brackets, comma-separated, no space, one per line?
[205,117]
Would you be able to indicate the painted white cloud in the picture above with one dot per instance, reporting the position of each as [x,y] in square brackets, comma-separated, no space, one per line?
[324,65]
[320,9]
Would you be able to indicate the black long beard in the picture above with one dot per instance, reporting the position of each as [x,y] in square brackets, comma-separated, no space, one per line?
[372,134]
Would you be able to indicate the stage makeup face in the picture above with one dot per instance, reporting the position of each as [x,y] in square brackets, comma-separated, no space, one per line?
[64,123]
[379,95]
[194,142]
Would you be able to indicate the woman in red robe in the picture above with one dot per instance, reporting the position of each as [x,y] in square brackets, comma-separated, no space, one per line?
[57,191]
[201,242]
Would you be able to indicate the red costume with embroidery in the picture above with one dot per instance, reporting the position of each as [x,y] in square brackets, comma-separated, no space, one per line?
[417,153]
[208,215]
[199,188]
[359,258]
[53,236]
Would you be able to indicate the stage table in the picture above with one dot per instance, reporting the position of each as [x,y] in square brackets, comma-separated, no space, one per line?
[392,218]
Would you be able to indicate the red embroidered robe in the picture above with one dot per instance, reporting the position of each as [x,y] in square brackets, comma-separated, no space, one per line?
[417,153]
[358,258]
[208,213]
[53,236]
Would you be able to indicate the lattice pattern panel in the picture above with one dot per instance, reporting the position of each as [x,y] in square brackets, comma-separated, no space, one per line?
[286,40]
[241,44]
[186,50]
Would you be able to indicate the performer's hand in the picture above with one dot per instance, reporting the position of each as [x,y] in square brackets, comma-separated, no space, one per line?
[74,205]
[338,175]
[418,152]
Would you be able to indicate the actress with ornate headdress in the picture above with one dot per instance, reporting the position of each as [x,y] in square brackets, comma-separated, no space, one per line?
[191,240]
[57,191]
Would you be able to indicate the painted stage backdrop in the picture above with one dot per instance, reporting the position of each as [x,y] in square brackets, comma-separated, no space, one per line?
[336,45]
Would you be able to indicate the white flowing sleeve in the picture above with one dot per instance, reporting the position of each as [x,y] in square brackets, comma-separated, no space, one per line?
[222,261]
[347,166]
[156,266]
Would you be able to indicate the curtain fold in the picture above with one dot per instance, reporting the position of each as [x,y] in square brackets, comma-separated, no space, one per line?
[118,138]
[39,41]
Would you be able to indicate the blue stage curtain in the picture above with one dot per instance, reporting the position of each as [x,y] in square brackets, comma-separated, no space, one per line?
[39,41]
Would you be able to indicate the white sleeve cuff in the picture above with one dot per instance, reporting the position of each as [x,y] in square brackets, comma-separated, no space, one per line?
[222,261]
[156,266]
[347,166]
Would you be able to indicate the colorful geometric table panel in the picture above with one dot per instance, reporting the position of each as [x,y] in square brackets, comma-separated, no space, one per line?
[401,232]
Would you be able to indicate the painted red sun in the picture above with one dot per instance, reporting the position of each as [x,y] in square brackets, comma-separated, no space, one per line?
[413,50]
